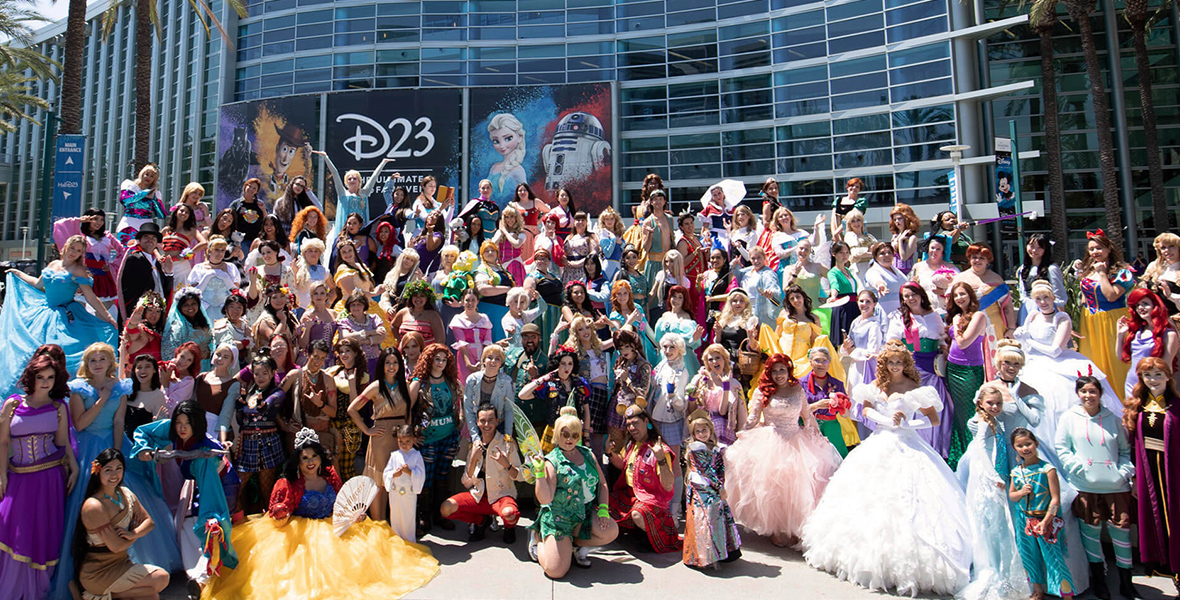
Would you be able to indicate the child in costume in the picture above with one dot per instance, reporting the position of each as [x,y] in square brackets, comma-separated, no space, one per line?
[1095,453]
[295,551]
[404,475]
[1035,494]
[997,571]
[710,534]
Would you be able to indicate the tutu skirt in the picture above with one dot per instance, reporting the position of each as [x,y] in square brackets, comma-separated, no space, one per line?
[305,560]
[776,476]
[894,516]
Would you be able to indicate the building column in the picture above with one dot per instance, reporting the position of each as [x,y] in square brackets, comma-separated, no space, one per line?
[1122,140]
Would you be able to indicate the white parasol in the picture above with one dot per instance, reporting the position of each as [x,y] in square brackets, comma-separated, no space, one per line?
[734,192]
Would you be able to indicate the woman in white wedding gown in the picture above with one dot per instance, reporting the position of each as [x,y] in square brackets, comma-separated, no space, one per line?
[1050,366]
[893,515]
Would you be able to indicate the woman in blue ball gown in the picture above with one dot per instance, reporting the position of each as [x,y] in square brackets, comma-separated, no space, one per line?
[98,403]
[42,310]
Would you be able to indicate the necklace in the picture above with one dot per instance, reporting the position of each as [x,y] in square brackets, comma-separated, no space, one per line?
[116,500]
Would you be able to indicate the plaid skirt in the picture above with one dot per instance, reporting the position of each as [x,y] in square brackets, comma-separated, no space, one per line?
[599,401]
[260,450]
[438,456]
[671,433]
[661,529]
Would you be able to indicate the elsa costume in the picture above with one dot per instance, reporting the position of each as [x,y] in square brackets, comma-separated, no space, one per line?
[348,203]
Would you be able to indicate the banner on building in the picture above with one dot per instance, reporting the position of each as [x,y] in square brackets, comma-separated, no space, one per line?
[549,137]
[265,139]
[67,176]
[419,130]
[1005,185]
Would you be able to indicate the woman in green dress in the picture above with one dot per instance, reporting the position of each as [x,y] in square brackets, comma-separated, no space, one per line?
[568,482]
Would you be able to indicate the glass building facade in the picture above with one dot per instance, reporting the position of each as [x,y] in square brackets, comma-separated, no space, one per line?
[809,92]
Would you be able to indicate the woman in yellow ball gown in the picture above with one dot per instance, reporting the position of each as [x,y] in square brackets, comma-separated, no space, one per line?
[293,551]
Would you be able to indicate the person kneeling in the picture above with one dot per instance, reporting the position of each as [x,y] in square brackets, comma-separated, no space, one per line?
[492,466]
[567,480]
[641,495]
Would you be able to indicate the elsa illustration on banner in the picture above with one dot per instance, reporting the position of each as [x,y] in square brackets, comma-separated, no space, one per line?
[507,134]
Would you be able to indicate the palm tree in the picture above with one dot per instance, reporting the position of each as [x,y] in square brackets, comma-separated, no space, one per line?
[1136,14]
[1042,16]
[147,18]
[1080,11]
[71,77]
[21,65]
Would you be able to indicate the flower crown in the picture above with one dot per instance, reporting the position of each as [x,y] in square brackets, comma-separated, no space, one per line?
[570,284]
[419,287]
[151,301]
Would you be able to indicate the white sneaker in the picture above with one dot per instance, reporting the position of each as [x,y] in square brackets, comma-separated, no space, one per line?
[534,541]
[582,557]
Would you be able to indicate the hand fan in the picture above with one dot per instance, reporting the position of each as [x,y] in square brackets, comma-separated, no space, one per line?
[352,501]
[526,439]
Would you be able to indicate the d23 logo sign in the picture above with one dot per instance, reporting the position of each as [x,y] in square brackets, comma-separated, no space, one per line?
[374,140]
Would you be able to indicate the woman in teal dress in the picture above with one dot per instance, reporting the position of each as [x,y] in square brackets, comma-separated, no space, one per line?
[624,311]
[98,401]
[43,311]
[351,197]
[678,321]
[188,322]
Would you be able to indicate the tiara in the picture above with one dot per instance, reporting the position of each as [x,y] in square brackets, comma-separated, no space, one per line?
[306,436]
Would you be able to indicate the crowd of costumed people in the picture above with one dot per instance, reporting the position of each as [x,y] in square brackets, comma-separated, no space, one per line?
[265,402]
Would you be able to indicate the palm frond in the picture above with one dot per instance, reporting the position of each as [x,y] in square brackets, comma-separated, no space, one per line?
[16,99]
[15,20]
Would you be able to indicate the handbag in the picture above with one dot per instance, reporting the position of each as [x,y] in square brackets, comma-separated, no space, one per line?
[1032,526]
[749,361]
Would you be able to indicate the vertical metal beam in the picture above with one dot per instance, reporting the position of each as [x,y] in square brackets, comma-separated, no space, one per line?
[46,204]
[465,151]
[968,121]
[616,128]
[1122,139]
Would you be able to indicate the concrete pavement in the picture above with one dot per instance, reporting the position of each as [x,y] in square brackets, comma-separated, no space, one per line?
[488,570]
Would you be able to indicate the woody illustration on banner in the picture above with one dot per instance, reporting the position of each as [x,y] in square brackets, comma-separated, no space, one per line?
[265,139]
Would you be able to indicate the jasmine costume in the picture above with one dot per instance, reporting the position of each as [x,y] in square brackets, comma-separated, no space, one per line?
[1043,559]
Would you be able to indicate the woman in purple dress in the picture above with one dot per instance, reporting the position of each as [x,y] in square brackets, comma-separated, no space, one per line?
[37,468]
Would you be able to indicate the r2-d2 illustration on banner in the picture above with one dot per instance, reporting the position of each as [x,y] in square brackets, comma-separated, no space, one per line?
[578,148]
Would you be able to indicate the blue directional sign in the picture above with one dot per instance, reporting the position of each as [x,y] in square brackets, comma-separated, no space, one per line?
[67,176]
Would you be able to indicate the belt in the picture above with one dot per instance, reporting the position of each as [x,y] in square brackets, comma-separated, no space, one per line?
[655,255]
[246,432]
[34,468]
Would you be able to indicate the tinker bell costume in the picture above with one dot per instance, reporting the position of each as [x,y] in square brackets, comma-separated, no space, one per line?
[571,511]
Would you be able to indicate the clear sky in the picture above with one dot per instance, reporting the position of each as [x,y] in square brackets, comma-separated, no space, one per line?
[54,11]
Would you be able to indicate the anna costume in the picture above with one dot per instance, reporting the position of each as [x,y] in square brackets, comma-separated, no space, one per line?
[1156,454]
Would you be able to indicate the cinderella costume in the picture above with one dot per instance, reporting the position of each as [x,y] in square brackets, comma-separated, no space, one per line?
[31,318]
[159,546]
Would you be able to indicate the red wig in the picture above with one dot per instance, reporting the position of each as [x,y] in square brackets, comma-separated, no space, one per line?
[766,383]
[1159,322]
[28,379]
[194,350]
[386,250]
